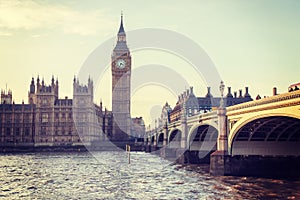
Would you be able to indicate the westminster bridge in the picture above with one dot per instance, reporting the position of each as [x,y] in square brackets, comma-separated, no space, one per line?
[260,136]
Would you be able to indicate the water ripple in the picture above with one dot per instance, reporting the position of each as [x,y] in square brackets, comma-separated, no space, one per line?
[107,175]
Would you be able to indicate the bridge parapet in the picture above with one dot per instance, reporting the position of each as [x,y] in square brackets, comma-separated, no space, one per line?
[208,116]
[277,101]
[174,124]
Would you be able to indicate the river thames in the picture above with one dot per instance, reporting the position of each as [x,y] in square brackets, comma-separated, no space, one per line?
[107,175]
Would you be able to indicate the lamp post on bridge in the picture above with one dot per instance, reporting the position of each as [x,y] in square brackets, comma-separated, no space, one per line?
[183,126]
[222,143]
[165,129]
[222,87]
[219,159]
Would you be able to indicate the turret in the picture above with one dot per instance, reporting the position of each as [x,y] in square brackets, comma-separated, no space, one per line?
[32,87]
[6,98]
[83,92]
[31,93]
[52,81]
[38,85]
[241,94]
[235,94]
[91,88]
[208,95]
[191,90]
[247,95]
[101,104]
[56,87]
[229,95]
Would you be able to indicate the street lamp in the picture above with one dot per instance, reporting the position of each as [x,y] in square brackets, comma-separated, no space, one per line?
[222,87]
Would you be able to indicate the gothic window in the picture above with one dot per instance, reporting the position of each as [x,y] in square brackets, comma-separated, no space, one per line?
[8,118]
[17,131]
[17,119]
[26,118]
[27,131]
[44,130]
[44,117]
[7,131]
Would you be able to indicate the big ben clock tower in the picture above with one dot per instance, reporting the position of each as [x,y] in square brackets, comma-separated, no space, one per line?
[121,73]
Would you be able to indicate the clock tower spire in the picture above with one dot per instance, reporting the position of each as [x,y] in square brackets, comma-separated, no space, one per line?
[121,75]
[121,29]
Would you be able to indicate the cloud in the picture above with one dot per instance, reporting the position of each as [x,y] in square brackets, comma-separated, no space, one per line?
[4,33]
[33,15]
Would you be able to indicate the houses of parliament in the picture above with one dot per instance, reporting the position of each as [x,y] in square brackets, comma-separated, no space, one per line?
[47,120]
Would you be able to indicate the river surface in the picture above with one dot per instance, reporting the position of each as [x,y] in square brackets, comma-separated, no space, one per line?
[108,175]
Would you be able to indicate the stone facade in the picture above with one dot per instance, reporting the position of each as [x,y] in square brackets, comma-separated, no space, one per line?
[195,105]
[49,121]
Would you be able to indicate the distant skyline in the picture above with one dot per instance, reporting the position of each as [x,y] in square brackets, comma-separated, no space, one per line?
[252,43]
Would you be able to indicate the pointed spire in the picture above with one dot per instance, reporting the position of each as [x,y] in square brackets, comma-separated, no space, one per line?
[32,86]
[121,41]
[52,80]
[121,29]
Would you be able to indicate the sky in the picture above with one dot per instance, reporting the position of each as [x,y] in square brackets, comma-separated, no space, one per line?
[251,43]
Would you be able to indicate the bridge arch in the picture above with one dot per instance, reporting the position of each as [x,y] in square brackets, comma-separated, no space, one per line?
[203,138]
[267,134]
[160,139]
[174,137]
[202,141]
[152,139]
[196,126]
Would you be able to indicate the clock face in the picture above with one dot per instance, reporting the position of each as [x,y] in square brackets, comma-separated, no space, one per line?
[121,63]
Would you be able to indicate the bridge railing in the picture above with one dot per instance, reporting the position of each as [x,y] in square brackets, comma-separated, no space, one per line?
[273,99]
